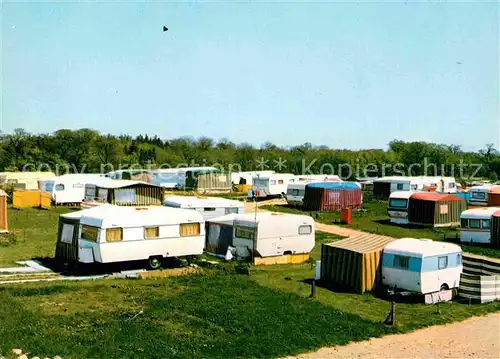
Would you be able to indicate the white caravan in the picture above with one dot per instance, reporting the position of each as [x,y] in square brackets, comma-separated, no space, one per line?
[111,234]
[270,185]
[317,178]
[246,177]
[475,225]
[23,180]
[176,177]
[479,195]
[268,234]
[209,207]
[295,192]
[420,183]
[68,188]
[421,265]
[397,207]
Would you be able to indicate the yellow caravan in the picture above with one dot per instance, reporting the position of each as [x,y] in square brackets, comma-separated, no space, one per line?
[23,180]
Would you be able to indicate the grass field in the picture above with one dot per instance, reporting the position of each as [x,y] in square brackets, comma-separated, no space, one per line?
[374,219]
[214,315]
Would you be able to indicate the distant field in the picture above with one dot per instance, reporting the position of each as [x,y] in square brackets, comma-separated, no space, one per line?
[374,219]
[215,315]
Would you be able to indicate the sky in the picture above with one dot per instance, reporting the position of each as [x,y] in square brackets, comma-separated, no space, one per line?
[340,74]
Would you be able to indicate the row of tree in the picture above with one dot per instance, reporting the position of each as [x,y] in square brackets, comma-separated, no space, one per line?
[87,150]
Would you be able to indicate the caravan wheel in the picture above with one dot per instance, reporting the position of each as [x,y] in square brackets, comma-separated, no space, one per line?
[444,286]
[154,262]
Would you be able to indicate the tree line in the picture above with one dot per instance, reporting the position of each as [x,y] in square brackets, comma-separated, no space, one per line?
[89,151]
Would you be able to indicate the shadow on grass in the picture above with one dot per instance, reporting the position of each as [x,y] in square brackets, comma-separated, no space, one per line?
[212,317]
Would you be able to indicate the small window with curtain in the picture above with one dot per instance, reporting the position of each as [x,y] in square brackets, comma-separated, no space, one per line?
[231,210]
[281,181]
[89,233]
[305,229]
[151,232]
[400,186]
[295,192]
[59,187]
[443,262]
[464,223]
[272,182]
[245,233]
[459,259]
[475,223]
[114,234]
[189,229]
[401,262]
[485,224]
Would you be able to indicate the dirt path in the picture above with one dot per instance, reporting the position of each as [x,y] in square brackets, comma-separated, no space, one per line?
[477,337]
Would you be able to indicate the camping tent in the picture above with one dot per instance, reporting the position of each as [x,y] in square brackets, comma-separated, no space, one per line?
[353,263]
[435,209]
[123,193]
[332,196]
[219,232]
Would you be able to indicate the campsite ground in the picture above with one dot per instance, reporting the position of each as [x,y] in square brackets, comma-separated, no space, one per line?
[214,314]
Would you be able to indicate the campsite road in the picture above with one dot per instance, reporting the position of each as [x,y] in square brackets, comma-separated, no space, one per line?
[477,337]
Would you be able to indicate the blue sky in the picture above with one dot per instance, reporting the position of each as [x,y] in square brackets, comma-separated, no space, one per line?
[345,75]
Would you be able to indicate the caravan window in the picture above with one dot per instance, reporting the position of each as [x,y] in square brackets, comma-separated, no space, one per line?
[475,223]
[305,230]
[398,203]
[478,195]
[443,262]
[151,232]
[295,192]
[464,223]
[67,233]
[78,185]
[244,233]
[281,181]
[231,210]
[208,209]
[114,234]
[401,262]
[59,187]
[272,182]
[485,223]
[89,233]
[459,259]
[189,229]
[399,186]
[451,185]
[414,187]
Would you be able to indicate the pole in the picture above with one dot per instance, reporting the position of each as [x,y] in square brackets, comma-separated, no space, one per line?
[313,289]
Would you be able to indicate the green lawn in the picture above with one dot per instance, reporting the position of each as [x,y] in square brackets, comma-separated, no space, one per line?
[32,234]
[373,218]
[214,315]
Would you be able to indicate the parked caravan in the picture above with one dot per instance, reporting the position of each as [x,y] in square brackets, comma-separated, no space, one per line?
[435,209]
[398,206]
[23,180]
[181,177]
[109,234]
[209,207]
[353,264]
[384,186]
[421,265]
[475,224]
[245,178]
[332,196]
[130,174]
[68,188]
[317,178]
[270,185]
[494,196]
[122,193]
[219,233]
[479,195]
[267,234]
[4,227]
[495,230]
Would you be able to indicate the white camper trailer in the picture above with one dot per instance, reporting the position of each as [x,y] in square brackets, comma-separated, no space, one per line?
[68,188]
[270,185]
[479,195]
[209,207]
[111,234]
[421,265]
[177,177]
[398,206]
[475,225]
[267,234]
[317,178]
[23,180]
[246,177]
[419,183]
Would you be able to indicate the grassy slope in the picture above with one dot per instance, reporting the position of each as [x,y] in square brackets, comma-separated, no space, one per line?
[373,218]
[219,315]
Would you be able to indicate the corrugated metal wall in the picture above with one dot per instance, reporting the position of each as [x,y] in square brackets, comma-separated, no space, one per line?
[144,196]
[320,199]
[495,231]
[67,251]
